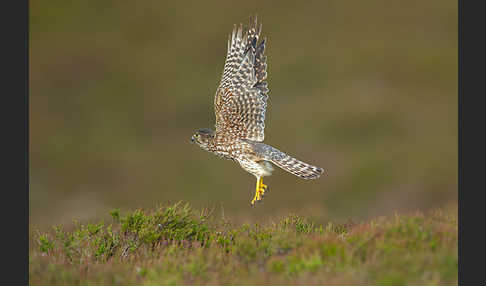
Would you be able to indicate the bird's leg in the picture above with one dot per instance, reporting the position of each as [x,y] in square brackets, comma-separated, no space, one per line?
[256,198]
[260,191]
[263,187]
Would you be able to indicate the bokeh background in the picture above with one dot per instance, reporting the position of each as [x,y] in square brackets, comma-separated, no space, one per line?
[365,89]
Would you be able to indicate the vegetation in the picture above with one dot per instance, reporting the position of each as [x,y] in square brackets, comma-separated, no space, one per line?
[177,245]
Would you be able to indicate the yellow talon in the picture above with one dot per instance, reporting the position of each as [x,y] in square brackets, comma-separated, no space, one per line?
[262,185]
[255,198]
[259,192]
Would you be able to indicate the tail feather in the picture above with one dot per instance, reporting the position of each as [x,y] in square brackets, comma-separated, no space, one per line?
[296,167]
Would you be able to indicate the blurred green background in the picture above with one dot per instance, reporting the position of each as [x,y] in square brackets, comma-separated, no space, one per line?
[365,89]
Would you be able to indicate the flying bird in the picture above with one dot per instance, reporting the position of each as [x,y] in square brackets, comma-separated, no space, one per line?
[240,103]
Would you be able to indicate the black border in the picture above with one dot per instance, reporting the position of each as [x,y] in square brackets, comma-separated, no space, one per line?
[14,22]
[471,122]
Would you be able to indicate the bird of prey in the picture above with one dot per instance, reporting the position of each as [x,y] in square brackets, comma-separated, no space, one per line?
[239,105]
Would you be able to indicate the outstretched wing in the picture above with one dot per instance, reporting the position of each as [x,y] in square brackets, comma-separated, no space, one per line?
[241,98]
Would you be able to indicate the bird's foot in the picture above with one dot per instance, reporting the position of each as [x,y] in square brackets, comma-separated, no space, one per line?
[261,188]
[259,193]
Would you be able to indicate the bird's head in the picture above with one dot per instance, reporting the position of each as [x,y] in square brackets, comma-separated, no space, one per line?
[202,137]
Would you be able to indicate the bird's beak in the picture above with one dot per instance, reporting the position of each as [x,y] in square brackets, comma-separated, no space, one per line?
[192,139]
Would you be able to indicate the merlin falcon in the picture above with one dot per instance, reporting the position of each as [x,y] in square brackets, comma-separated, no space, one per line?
[240,103]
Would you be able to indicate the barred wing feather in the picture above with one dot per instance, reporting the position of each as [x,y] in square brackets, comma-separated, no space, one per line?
[241,98]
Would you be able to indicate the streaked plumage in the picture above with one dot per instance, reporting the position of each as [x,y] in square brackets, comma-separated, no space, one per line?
[241,98]
[240,104]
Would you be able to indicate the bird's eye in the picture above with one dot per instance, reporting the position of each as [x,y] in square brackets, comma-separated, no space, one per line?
[196,135]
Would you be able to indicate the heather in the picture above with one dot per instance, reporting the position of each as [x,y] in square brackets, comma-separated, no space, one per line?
[175,244]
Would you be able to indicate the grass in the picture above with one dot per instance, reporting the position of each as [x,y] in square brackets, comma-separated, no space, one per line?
[177,245]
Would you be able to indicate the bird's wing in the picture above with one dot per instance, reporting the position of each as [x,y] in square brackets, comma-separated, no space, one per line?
[241,98]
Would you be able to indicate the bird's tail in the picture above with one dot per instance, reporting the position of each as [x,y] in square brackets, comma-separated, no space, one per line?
[294,166]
